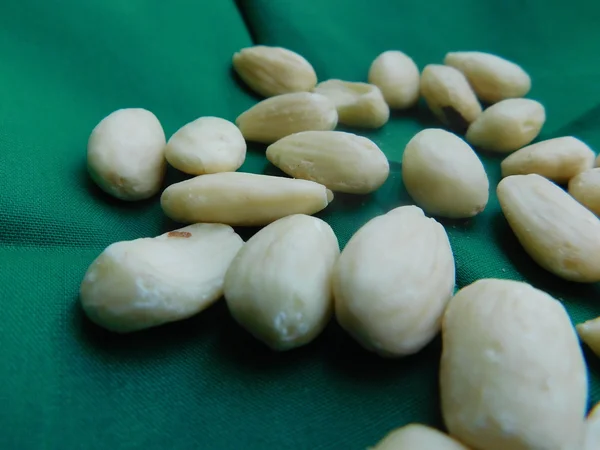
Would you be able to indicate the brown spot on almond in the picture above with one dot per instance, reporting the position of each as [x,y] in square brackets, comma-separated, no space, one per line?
[179,234]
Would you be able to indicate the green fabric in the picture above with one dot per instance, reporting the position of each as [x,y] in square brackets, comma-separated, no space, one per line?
[204,383]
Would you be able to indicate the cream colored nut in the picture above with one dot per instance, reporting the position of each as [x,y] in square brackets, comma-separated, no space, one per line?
[507,125]
[493,78]
[597,163]
[273,71]
[585,188]
[417,437]
[443,175]
[589,332]
[243,199]
[359,105]
[512,374]
[392,282]
[286,114]
[560,234]
[126,154]
[278,287]
[148,282]
[558,159]
[207,145]
[449,96]
[343,162]
[398,77]
[592,429]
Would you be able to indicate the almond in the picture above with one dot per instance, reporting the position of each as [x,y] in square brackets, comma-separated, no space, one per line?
[126,154]
[443,175]
[585,188]
[398,78]
[417,437]
[278,287]
[245,199]
[512,374]
[207,145]
[273,71]
[449,96]
[343,162]
[589,332]
[559,233]
[558,159]
[280,116]
[507,125]
[392,282]
[493,78]
[148,282]
[359,105]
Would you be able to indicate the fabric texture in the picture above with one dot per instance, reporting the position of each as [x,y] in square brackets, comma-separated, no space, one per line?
[205,383]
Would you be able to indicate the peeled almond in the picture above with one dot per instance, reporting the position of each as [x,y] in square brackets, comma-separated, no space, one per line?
[493,78]
[589,332]
[393,281]
[417,437]
[242,199]
[278,287]
[273,71]
[398,77]
[280,116]
[558,159]
[585,188]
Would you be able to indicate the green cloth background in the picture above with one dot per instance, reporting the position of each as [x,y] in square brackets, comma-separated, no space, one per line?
[204,383]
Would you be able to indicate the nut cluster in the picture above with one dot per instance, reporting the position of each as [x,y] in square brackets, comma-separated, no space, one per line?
[512,372]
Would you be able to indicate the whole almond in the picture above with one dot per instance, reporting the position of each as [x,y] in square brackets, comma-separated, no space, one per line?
[512,374]
[589,332]
[359,105]
[398,78]
[244,199]
[417,437]
[280,116]
[585,188]
[559,233]
[392,282]
[278,287]
[273,71]
[493,78]
[449,96]
[207,145]
[443,175]
[558,159]
[343,162]
[507,125]
[126,154]
[147,282]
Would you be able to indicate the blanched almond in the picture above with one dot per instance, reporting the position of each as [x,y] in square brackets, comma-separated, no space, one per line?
[559,233]
[343,162]
[558,159]
[147,282]
[493,78]
[589,332]
[392,282]
[280,116]
[417,437]
[585,188]
[449,96]
[126,154]
[507,125]
[359,105]
[443,175]
[207,145]
[245,199]
[398,77]
[512,373]
[278,287]
[274,70]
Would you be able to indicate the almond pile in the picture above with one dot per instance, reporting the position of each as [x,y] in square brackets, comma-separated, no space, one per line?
[512,372]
